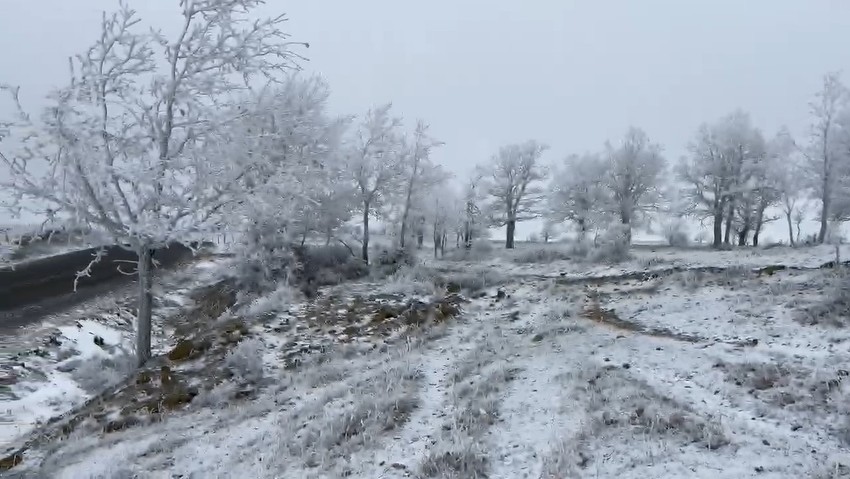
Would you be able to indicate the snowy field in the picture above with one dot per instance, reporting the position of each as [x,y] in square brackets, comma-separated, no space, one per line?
[672,364]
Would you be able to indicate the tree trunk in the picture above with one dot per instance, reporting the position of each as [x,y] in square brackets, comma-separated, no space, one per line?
[365,250]
[582,230]
[303,239]
[403,232]
[420,239]
[443,241]
[727,235]
[436,241]
[824,218]
[627,227]
[790,229]
[145,307]
[743,235]
[328,238]
[718,228]
[509,236]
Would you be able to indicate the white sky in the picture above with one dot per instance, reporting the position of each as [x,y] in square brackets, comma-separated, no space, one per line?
[488,72]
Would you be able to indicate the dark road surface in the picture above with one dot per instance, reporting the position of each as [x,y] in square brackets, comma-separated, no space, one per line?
[39,288]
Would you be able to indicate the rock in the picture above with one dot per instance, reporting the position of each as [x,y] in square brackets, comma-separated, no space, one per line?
[144,377]
[398,465]
[627,366]
[765,442]
[11,461]
[99,341]
[537,338]
[500,295]
[183,350]
[176,399]
[165,376]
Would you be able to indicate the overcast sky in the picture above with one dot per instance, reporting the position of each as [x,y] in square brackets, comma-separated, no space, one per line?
[488,72]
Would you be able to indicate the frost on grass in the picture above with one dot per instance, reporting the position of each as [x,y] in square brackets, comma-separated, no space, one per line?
[792,390]
[477,387]
[834,307]
[622,410]
[245,361]
[543,255]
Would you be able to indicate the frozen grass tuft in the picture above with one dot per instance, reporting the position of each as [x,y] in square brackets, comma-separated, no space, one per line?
[460,457]
[349,417]
[245,361]
[834,309]
[96,374]
[411,281]
[620,406]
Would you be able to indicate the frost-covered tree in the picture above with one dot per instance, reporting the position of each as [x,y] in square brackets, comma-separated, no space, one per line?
[578,193]
[633,176]
[471,223]
[138,144]
[717,173]
[420,174]
[375,160]
[512,184]
[443,209]
[299,188]
[827,151]
[785,171]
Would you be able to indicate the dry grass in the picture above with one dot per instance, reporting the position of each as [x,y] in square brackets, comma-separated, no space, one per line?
[477,387]
[624,408]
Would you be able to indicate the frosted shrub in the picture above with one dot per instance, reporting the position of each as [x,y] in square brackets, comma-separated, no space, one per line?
[676,234]
[245,361]
[613,246]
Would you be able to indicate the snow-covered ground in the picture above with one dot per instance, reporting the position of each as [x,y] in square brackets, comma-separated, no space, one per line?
[48,368]
[546,372]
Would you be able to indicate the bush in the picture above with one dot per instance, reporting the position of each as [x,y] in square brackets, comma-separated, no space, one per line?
[96,374]
[265,259]
[325,266]
[676,234]
[245,361]
[613,247]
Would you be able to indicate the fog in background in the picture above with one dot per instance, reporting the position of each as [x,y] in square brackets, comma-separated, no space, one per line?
[485,73]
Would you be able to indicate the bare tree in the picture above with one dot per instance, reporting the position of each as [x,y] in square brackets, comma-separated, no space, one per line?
[375,161]
[513,186]
[634,171]
[140,148]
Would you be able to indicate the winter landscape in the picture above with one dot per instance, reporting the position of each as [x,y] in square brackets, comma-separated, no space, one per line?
[208,271]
